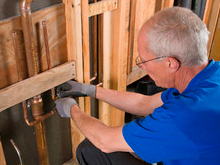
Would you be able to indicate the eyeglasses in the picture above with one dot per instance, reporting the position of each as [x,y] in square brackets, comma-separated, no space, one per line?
[139,62]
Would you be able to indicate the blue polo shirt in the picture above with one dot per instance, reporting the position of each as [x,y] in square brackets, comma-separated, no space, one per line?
[185,130]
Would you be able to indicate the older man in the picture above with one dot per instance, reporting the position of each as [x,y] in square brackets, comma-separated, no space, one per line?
[182,124]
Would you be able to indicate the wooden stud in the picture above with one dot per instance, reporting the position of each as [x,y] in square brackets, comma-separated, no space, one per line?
[131,35]
[101,7]
[214,54]
[86,51]
[36,85]
[166,3]
[104,110]
[210,18]
[141,11]
[120,48]
[74,47]
[207,12]
[135,75]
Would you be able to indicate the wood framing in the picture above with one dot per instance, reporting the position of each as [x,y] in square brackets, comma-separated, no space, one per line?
[101,7]
[74,47]
[141,11]
[36,85]
[104,109]
[86,51]
[56,37]
[210,19]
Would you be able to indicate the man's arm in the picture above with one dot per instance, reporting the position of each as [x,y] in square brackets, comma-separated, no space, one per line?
[107,139]
[130,102]
[134,103]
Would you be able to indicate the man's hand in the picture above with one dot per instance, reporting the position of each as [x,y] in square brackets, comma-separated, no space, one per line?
[73,88]
[64,105]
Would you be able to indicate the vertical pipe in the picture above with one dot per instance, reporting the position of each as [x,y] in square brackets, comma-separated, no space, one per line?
[47,49]
[25,9]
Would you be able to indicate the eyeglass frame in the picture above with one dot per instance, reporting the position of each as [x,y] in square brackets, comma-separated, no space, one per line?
[139,64]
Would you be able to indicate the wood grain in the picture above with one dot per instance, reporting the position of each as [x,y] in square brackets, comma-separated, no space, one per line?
[36,85]
[74,47]
[101,7]
[57,43]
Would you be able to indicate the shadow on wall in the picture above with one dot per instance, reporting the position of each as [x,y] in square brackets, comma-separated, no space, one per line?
[10,8]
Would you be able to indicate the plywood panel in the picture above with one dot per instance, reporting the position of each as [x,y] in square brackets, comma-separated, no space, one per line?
[57,42]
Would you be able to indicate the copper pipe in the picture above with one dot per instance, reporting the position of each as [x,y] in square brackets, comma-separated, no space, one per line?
[94,77]
[39,118]
[47,49]
[24,106]
[25,9]
[37,104]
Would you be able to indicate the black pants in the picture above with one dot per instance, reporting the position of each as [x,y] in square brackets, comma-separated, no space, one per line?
[88,154]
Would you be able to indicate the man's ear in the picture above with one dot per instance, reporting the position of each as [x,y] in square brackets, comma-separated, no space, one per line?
[173,63]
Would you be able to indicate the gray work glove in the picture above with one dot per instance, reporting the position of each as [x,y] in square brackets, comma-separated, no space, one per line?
[64,105]
[73,88]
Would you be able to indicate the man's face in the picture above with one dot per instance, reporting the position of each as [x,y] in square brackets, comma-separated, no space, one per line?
[158,70]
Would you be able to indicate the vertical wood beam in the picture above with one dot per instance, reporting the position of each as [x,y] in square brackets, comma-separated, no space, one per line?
[167,3]
[105,109]
[74,48]
[86,50]
[207,11]
[143,10]
[120,48]
[210,19]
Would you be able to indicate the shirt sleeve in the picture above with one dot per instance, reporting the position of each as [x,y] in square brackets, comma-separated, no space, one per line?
[156,138]
[169,94]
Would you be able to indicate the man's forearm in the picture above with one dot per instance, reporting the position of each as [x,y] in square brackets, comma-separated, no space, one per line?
[108,139]
[130,102]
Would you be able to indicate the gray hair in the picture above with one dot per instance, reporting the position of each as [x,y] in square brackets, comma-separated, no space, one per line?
[178,32]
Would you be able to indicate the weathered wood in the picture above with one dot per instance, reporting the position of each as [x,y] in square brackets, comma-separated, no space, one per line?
[102,6]
[36,85]
[74,47]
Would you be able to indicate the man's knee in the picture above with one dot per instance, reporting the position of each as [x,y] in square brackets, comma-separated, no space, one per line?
[84,147]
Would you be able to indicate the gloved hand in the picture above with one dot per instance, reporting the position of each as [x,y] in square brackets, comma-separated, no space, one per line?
[64,105]
[73,88]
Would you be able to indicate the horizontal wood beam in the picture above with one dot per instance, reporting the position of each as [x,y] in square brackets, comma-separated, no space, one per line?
[101,7]
[35,85]
[136,74]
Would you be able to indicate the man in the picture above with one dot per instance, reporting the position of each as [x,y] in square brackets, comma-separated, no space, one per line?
[182,124]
